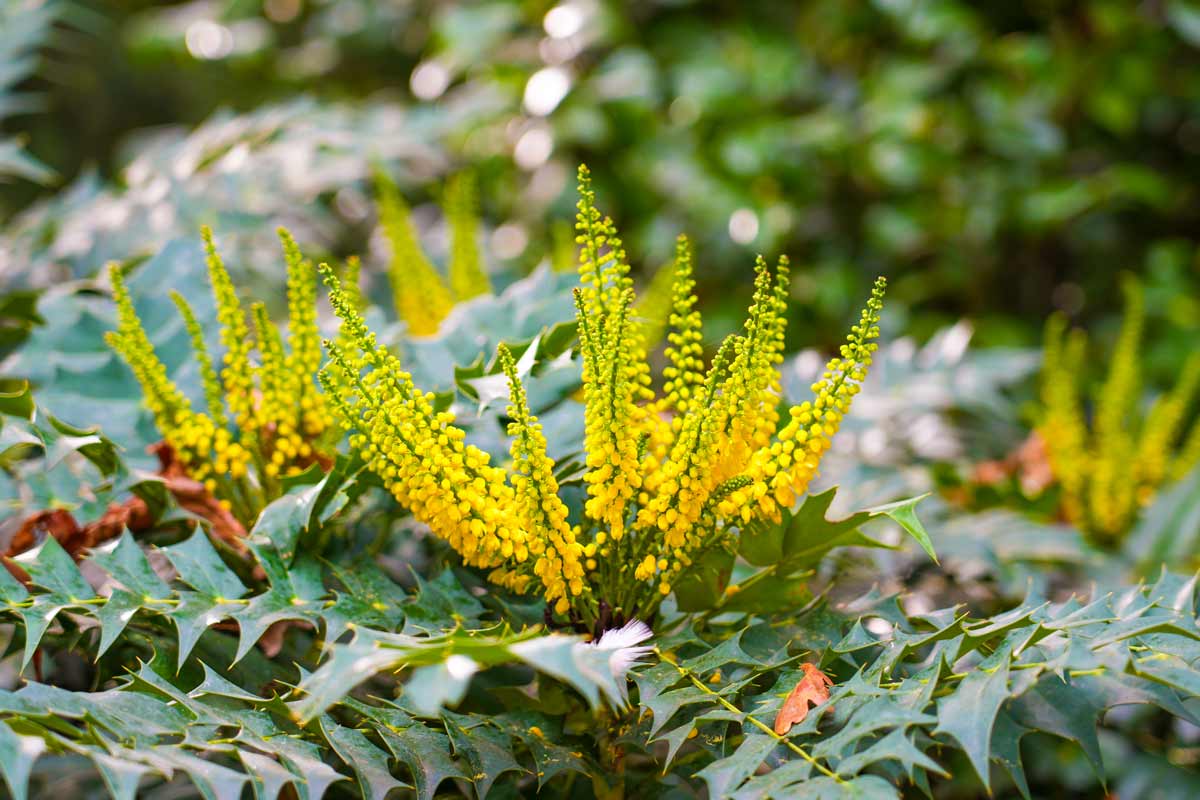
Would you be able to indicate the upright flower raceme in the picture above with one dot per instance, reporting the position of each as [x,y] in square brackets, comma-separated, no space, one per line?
[518,530]
[667,476]
[264,416]
[422,298]
[1107,472]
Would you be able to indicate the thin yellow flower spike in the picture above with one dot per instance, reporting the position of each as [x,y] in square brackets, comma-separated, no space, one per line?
[304,341]
[539,510]
[1112,496]
[616,375]
[130,341]
[419,454]
[213,392]
[276,413]
[467,276]
[684,373]
[1106,474]
[1062,427]
[237,373]
[194,437]
[783,470]
[276,393]
[1163,426]
[422,299]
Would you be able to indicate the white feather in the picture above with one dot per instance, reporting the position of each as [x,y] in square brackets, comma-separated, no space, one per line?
[625,649]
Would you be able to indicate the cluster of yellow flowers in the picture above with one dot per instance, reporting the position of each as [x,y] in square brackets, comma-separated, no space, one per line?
[1105,474]
[421,297]
[518,531]
[265,417]
[666,476]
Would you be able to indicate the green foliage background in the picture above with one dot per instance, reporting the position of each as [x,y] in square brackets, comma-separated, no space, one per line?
[995,159]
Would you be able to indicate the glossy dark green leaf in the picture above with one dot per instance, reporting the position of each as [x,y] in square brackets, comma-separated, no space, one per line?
[485,749]
[702,585]
[426,752]
[370,764]
[124,560]
[725,775]
[17,756]
[970,712]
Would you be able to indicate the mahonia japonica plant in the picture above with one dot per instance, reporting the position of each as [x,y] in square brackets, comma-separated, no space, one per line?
[264,417]
[668,477]
[1108,471]
[422,297]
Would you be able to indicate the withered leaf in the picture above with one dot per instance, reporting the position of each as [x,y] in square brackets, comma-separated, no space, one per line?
[811,690]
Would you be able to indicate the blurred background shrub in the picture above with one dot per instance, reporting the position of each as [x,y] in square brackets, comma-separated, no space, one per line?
[997,160]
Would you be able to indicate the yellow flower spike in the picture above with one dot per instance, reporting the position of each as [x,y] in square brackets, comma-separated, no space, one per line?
[1062,427]
[304,341]
[681,482]
[616,375]
[684,373]
[1189,454]
[539,510]
[422,299]
[275,383]
[1162,427]
[782,471]
[467,276]
[419,454]
[1112,497]
[190,434]
[130,341]
[237,373]
[679,499]
[213,392]
[748,399]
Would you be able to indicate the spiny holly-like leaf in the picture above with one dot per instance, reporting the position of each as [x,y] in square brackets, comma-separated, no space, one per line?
[487,750]
[270,777]
[306,506]
[969,714]
[1057,707]
[49,567]
[804,537]
[426,752]
[436,686]
[540,734]
[443,665]
[201,567]
[724,776]
[124,560]
[114,615]
[17,754]
[368,598]
[896,746]
[121,777]
[375,779]
[1040,667]
[218,590]
[295,593]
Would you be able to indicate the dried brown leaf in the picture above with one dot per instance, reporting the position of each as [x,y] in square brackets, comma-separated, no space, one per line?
[811,690]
